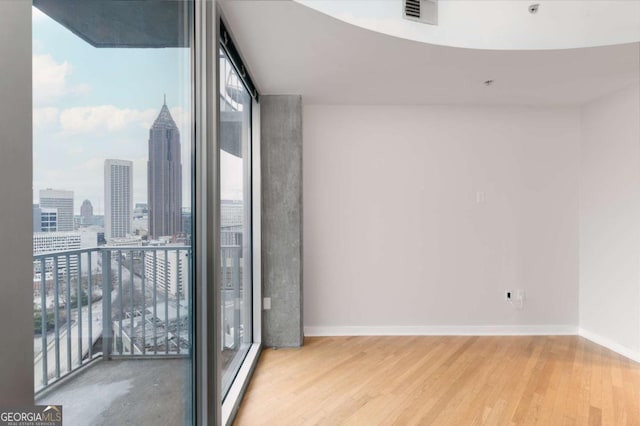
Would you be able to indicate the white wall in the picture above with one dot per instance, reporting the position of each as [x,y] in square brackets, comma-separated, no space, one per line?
[416,219]
[610,222]
[16,302]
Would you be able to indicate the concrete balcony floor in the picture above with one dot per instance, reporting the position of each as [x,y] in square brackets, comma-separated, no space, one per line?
[119,392]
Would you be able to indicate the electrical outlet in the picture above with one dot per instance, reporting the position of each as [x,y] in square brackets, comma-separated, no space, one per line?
[266,303]
[508,295]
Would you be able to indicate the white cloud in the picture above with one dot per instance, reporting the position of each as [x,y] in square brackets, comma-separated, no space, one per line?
[45,117]
[104,118]
[50,80]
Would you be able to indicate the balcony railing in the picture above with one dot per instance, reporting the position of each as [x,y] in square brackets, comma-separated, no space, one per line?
[109,302]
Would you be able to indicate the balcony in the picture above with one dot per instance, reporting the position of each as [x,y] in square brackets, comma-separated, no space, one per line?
[115,320]
[109,303]
[126,313]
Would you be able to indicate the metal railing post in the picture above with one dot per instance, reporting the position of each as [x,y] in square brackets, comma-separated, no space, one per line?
[237,282]
[79,306]
[132,311]
[223,295]
[67,304]
[143,288]
[90,305]
[189,297]
[166,302]
[44,321]
[119,340]
[107,329]
[155,302]
[56,312]
[178,297]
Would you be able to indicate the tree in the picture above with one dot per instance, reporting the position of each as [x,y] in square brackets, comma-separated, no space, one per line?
[84,299]
[37,322]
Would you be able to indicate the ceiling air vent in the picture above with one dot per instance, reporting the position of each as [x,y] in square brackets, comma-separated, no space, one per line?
[425,11]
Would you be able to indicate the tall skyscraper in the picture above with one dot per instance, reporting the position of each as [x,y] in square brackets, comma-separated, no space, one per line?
[61,200]
[86,213]
[118,198]
[164,177]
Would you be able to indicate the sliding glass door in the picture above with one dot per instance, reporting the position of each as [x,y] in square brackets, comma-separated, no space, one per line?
[235,220]
[120,135]
[113,166]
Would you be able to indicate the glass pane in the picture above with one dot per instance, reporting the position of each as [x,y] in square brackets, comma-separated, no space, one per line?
[112,177]
[235,233]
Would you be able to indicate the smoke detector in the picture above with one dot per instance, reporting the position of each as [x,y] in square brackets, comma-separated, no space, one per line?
[425,11]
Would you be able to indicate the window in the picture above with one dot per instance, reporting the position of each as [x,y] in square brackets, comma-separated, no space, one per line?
[235,220]
[113,151]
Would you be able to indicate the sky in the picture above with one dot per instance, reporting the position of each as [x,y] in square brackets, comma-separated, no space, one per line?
[94,104]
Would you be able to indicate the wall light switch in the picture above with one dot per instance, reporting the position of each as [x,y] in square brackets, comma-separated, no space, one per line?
[266,303]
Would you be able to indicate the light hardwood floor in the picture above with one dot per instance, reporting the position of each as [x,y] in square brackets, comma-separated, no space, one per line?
[443,381]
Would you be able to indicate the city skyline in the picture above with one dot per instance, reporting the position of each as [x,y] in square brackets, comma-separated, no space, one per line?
[79,120]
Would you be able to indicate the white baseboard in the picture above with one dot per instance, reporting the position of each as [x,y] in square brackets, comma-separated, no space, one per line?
[473,330]
[443,330]
[609,344]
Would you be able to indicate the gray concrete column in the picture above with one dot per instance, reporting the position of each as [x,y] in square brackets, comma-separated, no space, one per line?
[281,152]
[16,228]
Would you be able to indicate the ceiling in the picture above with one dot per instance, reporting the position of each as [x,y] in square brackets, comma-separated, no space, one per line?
[290,48]
[123,23]
[499,24]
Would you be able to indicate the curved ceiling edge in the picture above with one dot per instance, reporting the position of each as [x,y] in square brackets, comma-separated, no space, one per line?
[498,24]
